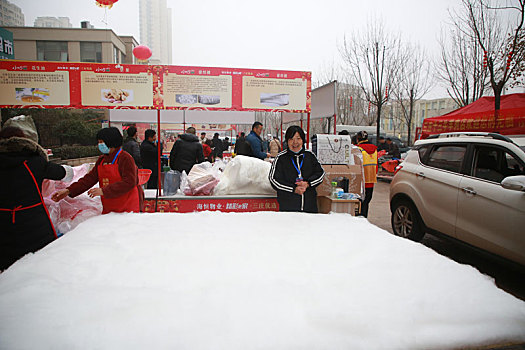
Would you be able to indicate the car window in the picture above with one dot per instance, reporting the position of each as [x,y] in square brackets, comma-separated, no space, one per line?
[447,157]
[422,151]
[495,164]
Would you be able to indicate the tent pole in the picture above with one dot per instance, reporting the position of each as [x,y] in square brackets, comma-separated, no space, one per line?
[335,127]
[282,146]
[308,131]
[159,150]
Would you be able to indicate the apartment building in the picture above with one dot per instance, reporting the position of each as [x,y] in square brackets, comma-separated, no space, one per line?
[393,122]
[156,30]
[72,45]
[11,15]
[53,22]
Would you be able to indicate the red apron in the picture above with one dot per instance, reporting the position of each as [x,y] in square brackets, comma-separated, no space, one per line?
[128,202]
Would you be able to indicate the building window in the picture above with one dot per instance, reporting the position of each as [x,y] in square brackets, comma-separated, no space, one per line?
[51,51]
[90,52]
[116,55]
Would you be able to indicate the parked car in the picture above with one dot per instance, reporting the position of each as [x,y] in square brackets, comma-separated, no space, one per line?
[469,186]
[396,140]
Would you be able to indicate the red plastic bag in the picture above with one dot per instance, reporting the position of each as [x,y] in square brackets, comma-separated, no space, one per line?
[390,166]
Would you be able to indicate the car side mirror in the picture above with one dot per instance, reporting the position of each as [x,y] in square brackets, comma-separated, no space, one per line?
[516,183]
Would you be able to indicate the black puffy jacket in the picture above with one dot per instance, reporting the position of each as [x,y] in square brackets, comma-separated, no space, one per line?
[27,230]
[186,152]
[283,175]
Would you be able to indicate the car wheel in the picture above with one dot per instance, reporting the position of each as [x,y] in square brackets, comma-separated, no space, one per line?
[406,221]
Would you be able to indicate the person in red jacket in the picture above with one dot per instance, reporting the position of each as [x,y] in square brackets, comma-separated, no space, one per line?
[369,152]
[206,149]
[117,176]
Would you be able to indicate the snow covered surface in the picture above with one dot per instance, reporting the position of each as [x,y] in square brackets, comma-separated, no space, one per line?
[264,280]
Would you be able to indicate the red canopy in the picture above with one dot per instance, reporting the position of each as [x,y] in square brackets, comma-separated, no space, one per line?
[479,116]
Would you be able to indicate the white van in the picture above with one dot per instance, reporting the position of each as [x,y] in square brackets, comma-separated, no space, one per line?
[354,129]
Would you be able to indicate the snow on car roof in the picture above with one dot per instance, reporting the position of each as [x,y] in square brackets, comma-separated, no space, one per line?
[243,281]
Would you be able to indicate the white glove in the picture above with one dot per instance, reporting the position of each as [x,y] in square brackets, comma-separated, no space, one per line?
[69,173]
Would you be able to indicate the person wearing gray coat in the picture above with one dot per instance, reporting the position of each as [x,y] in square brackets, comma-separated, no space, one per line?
[131,145]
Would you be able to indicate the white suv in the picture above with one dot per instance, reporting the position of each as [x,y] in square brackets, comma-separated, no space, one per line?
[470,186]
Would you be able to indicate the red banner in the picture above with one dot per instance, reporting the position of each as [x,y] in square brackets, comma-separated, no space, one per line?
[38,84]
[508,122]
[201,204]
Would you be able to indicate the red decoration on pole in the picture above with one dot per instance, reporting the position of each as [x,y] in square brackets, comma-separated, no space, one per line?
[351,102]
[369,106]
[484,59]
[386,92]
[105,3]
[142,53]
[509,59]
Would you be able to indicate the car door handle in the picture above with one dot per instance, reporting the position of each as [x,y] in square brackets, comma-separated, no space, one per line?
[421,174]
[469,190]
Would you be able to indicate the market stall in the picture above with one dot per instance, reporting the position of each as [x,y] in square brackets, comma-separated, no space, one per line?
[480,116]
[156,94]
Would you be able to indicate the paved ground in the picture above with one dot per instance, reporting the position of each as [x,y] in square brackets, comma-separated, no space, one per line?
[507,276]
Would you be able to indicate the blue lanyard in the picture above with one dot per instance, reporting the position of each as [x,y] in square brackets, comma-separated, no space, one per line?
[300,166]
[114,159]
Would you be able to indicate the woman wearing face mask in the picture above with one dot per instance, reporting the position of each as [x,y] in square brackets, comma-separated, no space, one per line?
[295,173]
[117,176]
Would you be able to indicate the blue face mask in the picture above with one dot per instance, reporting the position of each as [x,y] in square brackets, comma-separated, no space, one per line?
[103,148]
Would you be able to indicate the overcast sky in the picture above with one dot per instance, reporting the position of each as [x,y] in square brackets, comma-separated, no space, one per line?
[274,34]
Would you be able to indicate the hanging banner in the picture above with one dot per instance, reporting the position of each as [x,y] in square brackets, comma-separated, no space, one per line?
[109,86]
[508,122]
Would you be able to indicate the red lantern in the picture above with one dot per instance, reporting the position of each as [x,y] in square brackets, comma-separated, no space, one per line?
[142,53]
[105,3]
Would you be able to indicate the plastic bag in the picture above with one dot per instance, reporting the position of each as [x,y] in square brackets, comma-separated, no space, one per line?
[245,175]
[201,180]
[171,182]
[183,183]
[69,212]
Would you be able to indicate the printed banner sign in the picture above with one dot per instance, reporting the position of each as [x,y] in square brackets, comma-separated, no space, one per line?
[224,205]
[109,86]
[508,122]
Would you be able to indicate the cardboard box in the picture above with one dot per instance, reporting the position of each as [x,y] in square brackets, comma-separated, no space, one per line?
[354,174]
[349,206]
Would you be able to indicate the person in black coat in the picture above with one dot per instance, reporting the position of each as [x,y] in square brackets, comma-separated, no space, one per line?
[186,152]
[150,157]
[295,174]
[218,146]
[25,225]
[241,146]
[131,145]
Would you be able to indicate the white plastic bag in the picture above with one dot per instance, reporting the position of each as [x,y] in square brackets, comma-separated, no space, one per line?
[245,175]
[69,212]
[183,183]
[202,179]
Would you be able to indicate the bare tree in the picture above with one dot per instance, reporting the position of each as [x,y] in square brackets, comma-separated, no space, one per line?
[413,83]
[373,59]
[498,29]
[460,66]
